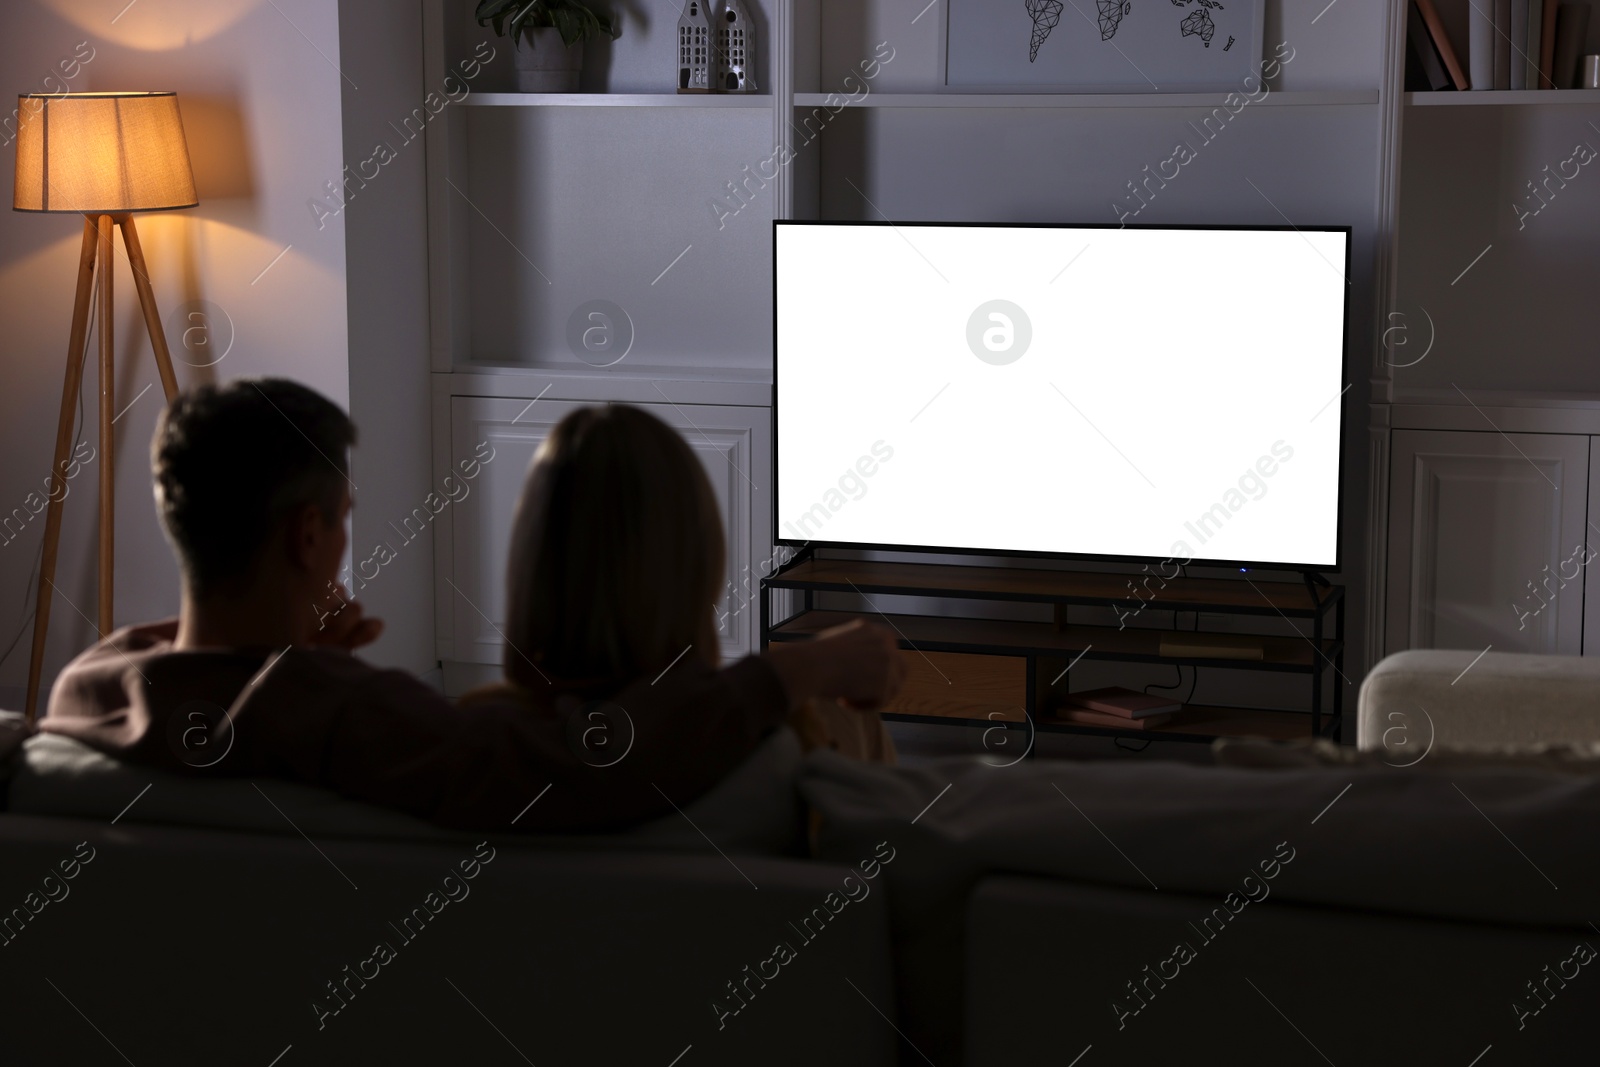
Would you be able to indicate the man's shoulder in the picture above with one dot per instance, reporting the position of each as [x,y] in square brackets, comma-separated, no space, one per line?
[140,639]
[356,679]
[96,674]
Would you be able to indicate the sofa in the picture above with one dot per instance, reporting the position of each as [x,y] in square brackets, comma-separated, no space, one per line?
[1283,906]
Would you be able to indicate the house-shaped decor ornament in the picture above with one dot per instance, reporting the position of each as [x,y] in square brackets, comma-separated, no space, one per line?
[736,48]
[697,68]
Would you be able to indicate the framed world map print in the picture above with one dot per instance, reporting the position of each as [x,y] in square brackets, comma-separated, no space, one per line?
[1103,46]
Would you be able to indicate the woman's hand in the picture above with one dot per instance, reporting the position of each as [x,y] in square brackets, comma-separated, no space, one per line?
[857,663]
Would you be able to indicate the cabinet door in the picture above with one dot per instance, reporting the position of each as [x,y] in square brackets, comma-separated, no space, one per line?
[1482,533]
[731,442]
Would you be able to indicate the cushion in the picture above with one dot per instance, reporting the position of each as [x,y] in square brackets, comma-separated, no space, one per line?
[754,809]
[1462,700]
[14,730]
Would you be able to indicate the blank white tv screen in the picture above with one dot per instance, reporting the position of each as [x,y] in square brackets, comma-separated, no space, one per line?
[1140,392]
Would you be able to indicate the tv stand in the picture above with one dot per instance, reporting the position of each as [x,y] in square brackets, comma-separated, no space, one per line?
[985,672]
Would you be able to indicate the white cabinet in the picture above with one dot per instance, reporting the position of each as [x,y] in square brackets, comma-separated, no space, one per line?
[1486,541]
[733,442]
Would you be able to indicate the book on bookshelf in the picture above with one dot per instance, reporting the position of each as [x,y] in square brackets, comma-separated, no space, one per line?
[1502,44]
[1124,703]
[1530,76]
[1441,42]
[1424,69]
[1547,44]
[1572,27]
[1518,43]
[1480,44]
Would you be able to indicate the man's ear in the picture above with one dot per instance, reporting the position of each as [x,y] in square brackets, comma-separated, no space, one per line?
[307,531]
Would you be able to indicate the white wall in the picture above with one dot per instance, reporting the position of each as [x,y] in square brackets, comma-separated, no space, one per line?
[260,96]
[386,235]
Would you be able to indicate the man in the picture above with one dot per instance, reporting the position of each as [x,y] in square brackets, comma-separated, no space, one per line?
[256,675]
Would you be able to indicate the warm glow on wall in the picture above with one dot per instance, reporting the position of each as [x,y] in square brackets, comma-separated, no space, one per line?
[153,25]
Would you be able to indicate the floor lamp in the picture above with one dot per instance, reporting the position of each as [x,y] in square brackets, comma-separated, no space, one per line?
[104,156]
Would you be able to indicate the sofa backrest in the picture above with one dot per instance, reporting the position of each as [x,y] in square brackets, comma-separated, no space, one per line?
[182,946]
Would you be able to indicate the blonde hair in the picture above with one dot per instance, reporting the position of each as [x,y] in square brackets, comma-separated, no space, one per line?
[617,554]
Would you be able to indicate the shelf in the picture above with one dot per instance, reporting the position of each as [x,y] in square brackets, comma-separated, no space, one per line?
[1198,722]
[923,100]
[1500,97]
[723,387]
[1001,637]
[1089,100]
[1052,587]
[623,370]
[735,100]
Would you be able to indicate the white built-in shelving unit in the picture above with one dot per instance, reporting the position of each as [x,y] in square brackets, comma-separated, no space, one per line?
[539,204]
[1483,415]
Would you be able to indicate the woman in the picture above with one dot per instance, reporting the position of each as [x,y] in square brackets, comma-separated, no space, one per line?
[616,565]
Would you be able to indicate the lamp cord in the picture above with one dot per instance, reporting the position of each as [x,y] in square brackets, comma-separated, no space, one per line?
[77,435]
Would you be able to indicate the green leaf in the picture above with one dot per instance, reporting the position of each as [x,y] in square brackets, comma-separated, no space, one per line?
[575,19]
[494,11]
[570,23]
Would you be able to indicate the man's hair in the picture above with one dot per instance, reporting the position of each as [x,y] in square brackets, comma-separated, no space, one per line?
[232,462]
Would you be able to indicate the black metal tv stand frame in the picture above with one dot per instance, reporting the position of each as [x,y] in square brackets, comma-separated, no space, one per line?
[1019,665]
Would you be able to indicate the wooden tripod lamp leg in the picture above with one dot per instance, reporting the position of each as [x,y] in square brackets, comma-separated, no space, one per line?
[108,350]
[58,478]
[147,301]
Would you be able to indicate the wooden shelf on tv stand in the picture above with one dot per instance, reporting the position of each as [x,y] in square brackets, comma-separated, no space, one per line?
[992,671]
[1244,596]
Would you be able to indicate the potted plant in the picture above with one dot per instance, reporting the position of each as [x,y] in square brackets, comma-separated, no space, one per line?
[547,38]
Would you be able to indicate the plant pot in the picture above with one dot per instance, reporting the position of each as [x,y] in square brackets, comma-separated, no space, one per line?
[545,64]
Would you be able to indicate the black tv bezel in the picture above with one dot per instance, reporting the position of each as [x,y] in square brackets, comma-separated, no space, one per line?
[1201,561]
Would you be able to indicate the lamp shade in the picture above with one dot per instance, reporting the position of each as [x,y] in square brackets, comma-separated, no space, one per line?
[102,153]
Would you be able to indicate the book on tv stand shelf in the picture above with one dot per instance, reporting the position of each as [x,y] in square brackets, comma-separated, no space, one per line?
[1212,646]
[1120,702]
[1088,717]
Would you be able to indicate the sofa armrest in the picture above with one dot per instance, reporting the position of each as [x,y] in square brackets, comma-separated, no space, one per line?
[1464,699]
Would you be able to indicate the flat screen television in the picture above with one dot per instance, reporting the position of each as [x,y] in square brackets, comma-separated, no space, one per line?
[1088,392]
